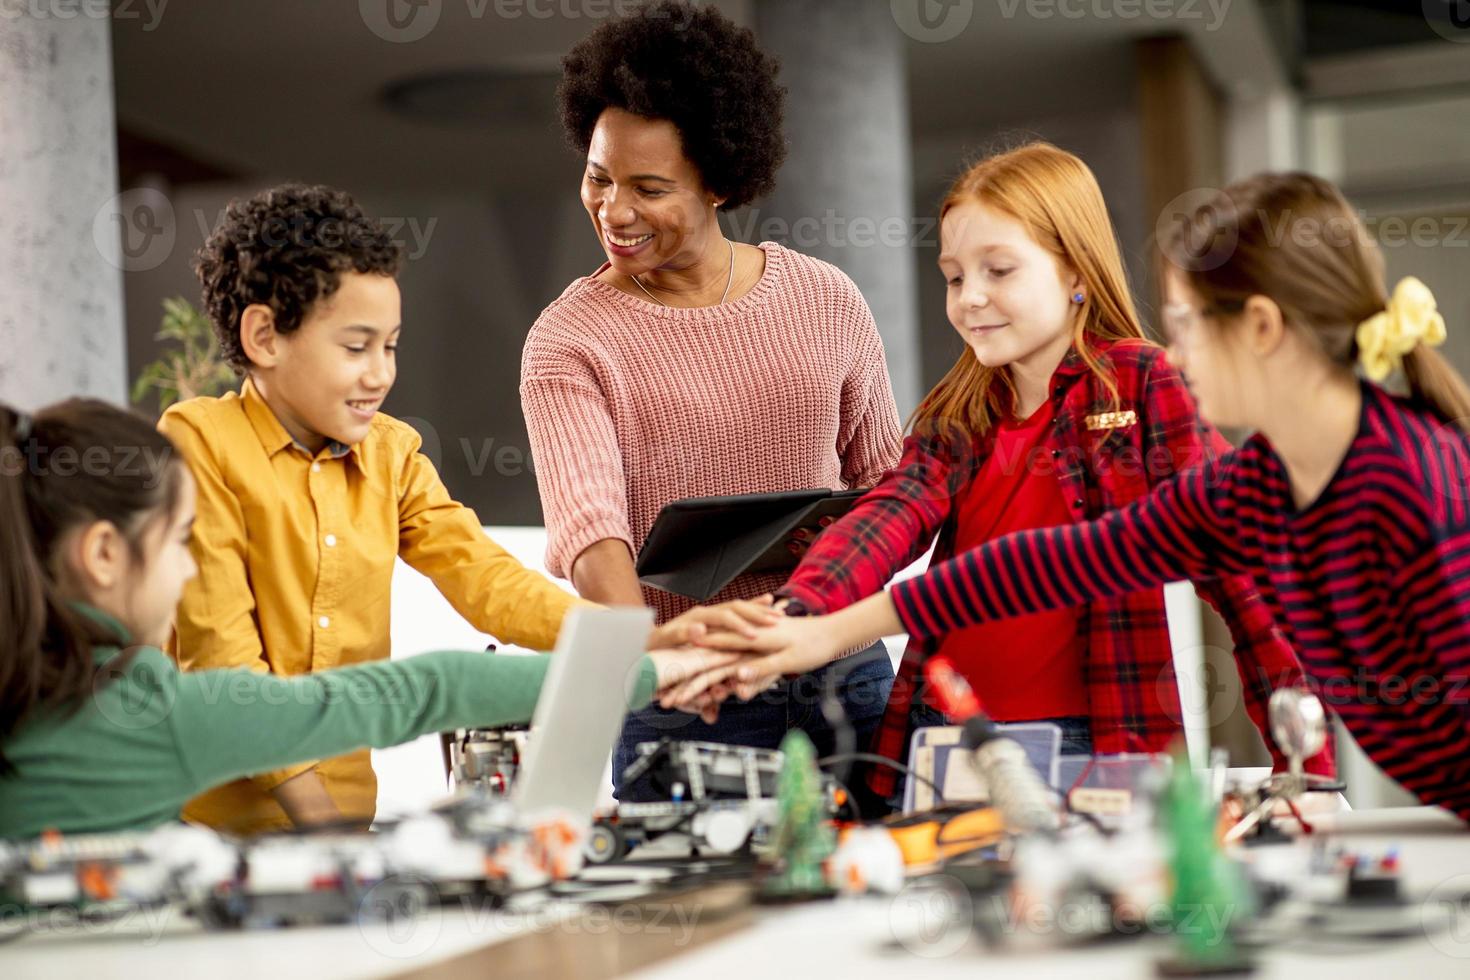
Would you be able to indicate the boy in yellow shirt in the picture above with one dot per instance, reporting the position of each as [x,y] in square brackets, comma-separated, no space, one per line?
[307,493]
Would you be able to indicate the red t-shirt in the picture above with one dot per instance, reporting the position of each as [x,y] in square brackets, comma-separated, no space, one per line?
[1028,667]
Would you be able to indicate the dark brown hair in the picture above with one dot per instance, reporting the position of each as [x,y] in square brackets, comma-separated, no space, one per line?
[286,248]
[699,70]
[1293,237]
[80,461]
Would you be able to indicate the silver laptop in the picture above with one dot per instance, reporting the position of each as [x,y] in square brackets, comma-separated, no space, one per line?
[581,710]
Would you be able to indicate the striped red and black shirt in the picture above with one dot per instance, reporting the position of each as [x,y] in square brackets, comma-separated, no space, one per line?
[1370,582]
[1104,456]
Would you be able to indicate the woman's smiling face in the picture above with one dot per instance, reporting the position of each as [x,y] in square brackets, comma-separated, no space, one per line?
[647,202]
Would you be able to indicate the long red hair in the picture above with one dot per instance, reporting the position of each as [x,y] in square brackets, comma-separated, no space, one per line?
[1055,197]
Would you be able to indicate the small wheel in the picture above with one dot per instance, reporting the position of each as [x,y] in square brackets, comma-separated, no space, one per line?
[605,842]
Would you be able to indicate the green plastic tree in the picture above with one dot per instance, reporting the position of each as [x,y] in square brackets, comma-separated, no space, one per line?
[191,366]
[803,839]
[1210,896]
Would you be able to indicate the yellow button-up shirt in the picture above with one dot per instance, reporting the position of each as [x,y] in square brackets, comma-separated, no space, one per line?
[296,556]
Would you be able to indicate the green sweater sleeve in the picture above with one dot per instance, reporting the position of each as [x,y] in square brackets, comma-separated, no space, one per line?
[232,723]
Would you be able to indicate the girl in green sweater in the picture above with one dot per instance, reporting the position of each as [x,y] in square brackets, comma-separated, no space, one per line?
[99,731]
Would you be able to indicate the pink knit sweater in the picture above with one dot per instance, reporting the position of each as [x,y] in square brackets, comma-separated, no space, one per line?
[631,405]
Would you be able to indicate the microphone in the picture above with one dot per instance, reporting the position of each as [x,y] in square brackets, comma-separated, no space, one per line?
[1025,802]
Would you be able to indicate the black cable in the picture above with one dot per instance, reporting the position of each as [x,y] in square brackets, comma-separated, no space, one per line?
[882,760]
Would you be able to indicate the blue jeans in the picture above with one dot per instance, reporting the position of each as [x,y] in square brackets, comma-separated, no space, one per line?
[862,690]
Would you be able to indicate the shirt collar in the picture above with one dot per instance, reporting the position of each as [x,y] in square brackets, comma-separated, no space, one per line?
[108,621]
[273,435]
[1073,366]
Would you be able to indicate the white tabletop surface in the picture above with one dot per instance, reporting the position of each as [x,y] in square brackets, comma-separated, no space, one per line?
[840,940]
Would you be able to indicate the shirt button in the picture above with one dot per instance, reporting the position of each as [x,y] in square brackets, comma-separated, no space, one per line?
[1075,503]
[324,622]
[316,467]
[331,540]
[1056,454]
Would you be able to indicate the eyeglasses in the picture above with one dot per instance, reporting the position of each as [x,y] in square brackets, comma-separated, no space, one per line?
[1182,322]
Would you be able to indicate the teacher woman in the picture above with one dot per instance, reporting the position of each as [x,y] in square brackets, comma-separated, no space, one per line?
[690,365]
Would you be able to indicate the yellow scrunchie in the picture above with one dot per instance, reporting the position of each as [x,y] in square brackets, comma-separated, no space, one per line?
[1411,319]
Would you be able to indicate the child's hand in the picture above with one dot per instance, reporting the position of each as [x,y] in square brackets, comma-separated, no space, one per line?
[790,646]
[677,667]
[740,617]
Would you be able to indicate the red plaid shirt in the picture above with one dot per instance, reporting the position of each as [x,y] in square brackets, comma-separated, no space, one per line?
[1103,463]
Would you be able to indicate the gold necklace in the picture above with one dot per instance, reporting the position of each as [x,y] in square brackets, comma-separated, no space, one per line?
[729,278]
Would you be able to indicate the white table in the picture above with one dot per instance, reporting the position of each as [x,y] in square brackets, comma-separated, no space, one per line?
[855,939]
[834,941]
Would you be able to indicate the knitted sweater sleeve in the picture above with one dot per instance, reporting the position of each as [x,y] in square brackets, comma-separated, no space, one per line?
[579,466]
[869,440]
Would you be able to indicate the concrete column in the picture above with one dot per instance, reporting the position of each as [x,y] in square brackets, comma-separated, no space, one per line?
[61,323]
[845,193]
[1262,132]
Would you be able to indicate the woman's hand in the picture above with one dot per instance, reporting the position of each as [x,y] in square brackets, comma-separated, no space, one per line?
[738,617]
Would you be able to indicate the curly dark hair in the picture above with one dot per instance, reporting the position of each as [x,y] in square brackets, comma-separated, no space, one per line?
[697,69]
[286,248]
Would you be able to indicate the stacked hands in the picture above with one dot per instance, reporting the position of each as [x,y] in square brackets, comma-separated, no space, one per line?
[739,648]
